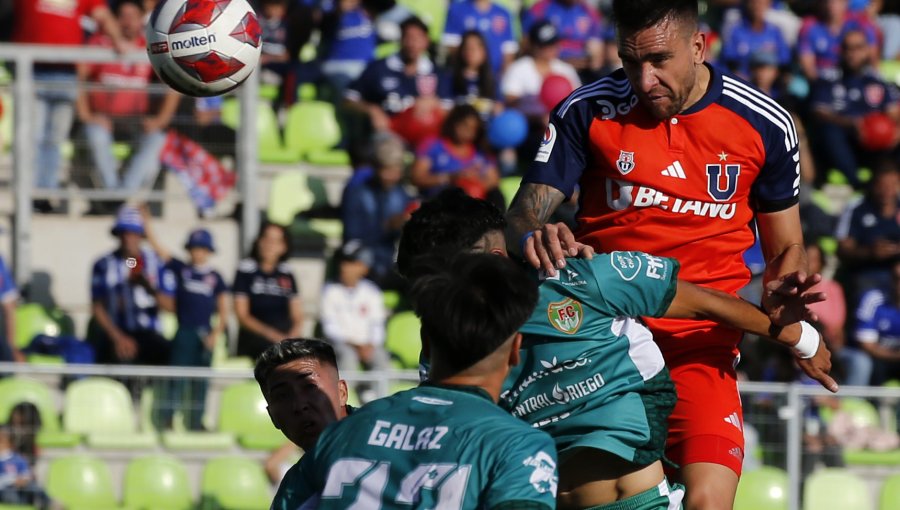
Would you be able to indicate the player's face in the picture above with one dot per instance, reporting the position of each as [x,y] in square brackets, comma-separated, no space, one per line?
[661,63]
[493,242]
[304,397]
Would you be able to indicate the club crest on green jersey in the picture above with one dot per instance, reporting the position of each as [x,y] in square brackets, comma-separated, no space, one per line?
[565,315]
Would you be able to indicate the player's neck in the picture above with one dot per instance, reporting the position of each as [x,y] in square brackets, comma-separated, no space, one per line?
[488,382]
[701,85]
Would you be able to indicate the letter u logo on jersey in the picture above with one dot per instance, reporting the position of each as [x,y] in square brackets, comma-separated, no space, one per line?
[714,182]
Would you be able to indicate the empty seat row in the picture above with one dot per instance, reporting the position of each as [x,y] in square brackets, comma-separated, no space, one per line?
[826,489]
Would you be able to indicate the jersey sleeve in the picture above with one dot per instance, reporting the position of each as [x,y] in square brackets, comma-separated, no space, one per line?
[778,185]
[363,88]
[634,284]
[453,30]
[169,281]
[8,291]
[99,289]
[298,487]
[242,280]
[221,286]
[562,153]
[866,327]
[526,475]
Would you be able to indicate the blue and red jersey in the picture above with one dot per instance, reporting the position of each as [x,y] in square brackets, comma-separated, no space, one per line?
[686,187]
[817,39]
[447,159]
[577,24]
[495,25]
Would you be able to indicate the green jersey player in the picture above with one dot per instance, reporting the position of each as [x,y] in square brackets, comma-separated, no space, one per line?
[445,444]
[591,375]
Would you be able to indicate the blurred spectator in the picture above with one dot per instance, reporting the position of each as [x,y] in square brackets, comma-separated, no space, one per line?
[353,315]
[348,40]
[266,299]
[754,36]
[840,103]
[388,15]
[580,29]
[113,104]
[125,326]
[375,209]
[868,234]
[17,483]
[763,72]
[878,328]
[488,18]
[522,82]
[24,425]
[57,23]
[405,82]
[471,79]
[194,291]
[819,42]
[611,60]
[457,158]
[208,129]
[887,15]
[9,299]
[274,57]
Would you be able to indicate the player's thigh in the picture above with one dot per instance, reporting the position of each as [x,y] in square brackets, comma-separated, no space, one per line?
[590,477]
[709,486]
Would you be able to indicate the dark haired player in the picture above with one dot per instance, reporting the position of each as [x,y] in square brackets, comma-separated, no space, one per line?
[445,444]
[675,158]
[591,375]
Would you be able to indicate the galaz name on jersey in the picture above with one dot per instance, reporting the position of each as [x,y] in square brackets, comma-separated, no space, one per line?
[400,436]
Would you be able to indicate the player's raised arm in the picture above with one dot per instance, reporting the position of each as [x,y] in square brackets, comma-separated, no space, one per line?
[696,302]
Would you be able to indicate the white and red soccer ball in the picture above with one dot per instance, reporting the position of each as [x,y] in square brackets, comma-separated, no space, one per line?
[204,47]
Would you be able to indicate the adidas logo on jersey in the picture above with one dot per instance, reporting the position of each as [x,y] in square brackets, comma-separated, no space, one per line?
[734,420]
[674,170]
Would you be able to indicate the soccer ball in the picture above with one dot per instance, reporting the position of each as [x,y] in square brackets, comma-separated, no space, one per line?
[203,47]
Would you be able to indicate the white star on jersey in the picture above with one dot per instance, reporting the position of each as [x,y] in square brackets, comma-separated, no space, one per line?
[723,156]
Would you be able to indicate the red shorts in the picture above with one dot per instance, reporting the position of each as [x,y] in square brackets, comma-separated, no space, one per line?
[707,423]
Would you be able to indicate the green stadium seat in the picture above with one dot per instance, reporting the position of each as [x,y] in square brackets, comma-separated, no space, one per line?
[862,411]
[386,49]
[15,390]
[391,299]
[403,338]
[289,195]
[432,12]
[268,134]
[312,131]
[80,482]
[242,412]
[31,320]
[509,186]
[235,483]
[157,483]
[15,507]
[890,493]
[169,324]
[765,488]
[101,410]
[6,121]
[836,489]
[890,70]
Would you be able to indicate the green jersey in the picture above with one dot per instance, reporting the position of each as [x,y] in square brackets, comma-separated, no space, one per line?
[591,375]
[446,447]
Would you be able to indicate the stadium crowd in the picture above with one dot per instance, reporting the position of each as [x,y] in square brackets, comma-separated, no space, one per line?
[463,103]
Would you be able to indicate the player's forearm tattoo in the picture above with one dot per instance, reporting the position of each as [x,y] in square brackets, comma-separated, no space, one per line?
[532,208]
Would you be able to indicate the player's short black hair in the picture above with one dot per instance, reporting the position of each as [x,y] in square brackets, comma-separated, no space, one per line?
[471,307]
[290,350]
[633,15]
[444,226]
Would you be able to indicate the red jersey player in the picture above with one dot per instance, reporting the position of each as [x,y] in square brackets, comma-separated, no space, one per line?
[674,158]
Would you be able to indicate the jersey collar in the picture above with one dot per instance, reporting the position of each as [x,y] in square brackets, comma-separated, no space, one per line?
[713,92]
[474,390]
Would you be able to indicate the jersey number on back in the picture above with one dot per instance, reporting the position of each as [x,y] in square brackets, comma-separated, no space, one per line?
[449,480]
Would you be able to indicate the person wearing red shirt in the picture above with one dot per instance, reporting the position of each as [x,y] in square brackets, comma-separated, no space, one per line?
[116,102]
[675,158]
[57,22]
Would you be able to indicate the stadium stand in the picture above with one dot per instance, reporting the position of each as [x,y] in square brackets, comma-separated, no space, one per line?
[836,489]
[157,482]
[765,487]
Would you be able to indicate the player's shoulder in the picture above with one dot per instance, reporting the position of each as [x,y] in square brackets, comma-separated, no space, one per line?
[247,265]
[607,97]
[767,117]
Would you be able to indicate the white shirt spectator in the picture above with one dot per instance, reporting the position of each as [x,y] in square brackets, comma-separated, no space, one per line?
[522,78]
[353,315]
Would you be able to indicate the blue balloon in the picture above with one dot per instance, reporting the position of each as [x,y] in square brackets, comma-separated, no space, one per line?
[507,129]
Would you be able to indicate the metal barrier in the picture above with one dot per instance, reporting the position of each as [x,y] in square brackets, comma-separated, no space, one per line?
[24,86]
[776,411]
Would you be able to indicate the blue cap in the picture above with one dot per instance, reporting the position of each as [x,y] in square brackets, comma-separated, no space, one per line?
[128,219]
[200,238]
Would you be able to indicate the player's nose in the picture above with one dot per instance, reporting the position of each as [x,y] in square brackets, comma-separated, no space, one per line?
[647,79]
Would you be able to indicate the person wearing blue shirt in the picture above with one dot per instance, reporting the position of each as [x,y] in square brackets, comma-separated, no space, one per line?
[492,21]
[375,208]
[194,291]
[878,329]
[819,42]
[9,298]
[125,325]
[580,28]
[754,35]
[840,102]
[17,483]
[349,40]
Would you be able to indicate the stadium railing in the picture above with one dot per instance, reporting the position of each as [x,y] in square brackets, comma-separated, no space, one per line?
[776,416]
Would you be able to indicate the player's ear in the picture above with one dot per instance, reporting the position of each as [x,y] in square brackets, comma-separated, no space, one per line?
[342,392]
[514,357]
[698,46]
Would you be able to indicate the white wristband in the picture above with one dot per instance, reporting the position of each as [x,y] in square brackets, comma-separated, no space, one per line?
[809,341]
